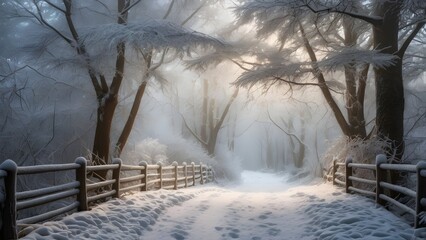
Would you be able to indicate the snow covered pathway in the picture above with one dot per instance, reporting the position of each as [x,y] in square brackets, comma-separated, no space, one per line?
[263,207]
[226,215]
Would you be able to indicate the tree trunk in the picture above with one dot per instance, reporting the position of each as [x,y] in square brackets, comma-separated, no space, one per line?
[353,105]
[130,120]
[214,132]
[389,81]
[205,111]
[211,144]
[101,145]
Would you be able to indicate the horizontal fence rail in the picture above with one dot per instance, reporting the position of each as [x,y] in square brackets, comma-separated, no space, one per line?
[83,191]
[382,185]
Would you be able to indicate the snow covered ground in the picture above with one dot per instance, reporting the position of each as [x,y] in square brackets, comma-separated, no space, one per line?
[264,206]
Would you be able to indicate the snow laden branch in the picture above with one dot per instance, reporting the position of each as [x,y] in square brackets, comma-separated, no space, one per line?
[283,71]
[272,72]
[356,57]
[157,35]
[213,59]
[267,10]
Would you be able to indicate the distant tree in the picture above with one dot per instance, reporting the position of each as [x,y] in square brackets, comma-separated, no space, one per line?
[212,120]
[297,144]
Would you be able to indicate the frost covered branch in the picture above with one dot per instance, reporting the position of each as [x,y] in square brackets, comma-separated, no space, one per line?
[375,20]
[356,57]
[149,35]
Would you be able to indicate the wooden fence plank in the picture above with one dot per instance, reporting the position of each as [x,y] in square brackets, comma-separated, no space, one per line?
[48,215]
[46,199]
[47,190]
[25,170]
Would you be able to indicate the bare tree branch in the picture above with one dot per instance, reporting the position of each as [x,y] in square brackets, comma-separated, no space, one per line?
[410,38]
[80,48]
[192,132]
[41,18]
[374,20]
[286,132]
[169,10]
[193,14]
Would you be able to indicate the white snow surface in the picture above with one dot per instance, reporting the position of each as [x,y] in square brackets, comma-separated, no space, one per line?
[263,206]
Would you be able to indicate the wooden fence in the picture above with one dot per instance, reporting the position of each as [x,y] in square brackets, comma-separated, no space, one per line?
[82,193]
[382,188]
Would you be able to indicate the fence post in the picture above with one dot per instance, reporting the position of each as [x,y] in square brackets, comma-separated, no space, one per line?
[116,176]
[380,177]
[9,228]
[201,173]
[175,164]
[421,194]
[348,173]
[144,172]
[160,171]
[213,175]
[334,170]
[207,174]
[193,173]
[185,173]
[80,175]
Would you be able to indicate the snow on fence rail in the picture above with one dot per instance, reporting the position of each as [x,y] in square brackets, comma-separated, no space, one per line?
[382,188]
[121,179]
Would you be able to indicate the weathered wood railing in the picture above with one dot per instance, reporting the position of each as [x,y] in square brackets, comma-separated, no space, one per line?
[81,193]
[382,187]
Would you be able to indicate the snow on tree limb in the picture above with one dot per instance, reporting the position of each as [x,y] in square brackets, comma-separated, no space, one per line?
[271,73]
[146,36]
[357,57]
[213,59]
[266,10]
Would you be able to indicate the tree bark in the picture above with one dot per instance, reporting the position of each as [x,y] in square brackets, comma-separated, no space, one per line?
[101,144]
[354,107]
[389,81]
